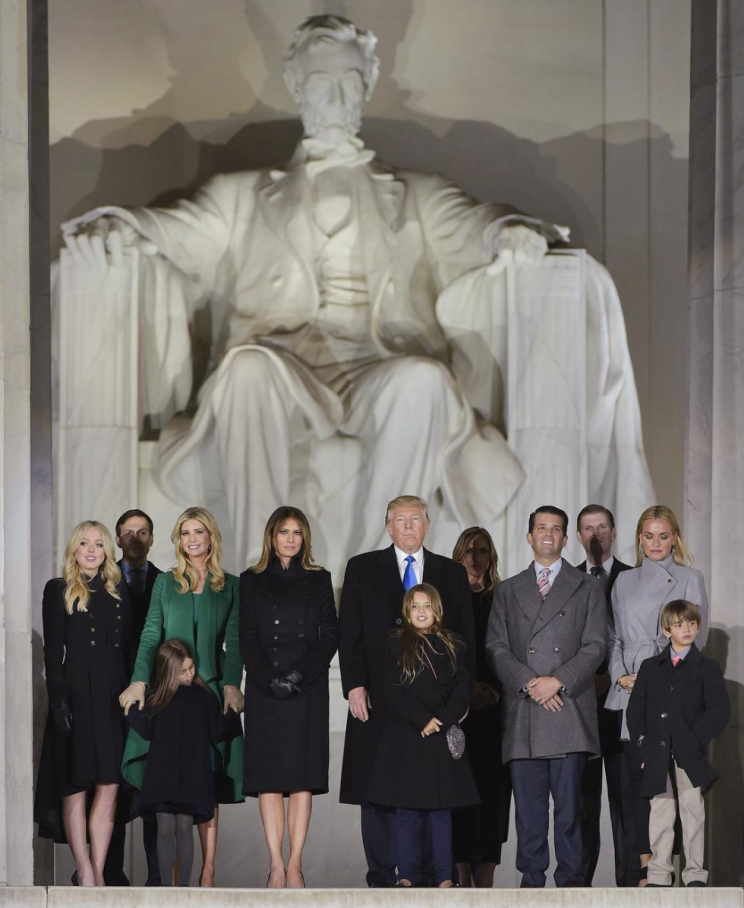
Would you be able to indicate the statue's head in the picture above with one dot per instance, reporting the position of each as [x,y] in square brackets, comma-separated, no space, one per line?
[331,69]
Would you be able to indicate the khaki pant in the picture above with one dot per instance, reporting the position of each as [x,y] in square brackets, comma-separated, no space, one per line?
[661,831]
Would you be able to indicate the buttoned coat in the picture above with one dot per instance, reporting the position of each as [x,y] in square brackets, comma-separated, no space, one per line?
[214,642]
[678,710]
[563,635]
[638,597]
[140,603]
[287,622]
[370,608]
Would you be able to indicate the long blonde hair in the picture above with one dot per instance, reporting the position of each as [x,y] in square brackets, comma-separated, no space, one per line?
[680,552]
[491,576]
[273,525]
[413,659]
[184,572]
[76,591]
[169,661]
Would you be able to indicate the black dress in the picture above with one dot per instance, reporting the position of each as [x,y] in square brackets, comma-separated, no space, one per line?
[479,832]
[287,621]
[178,774]
[87,660]
[411,771]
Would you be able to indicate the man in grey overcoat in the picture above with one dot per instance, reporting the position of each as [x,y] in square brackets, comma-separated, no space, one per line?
[546,636]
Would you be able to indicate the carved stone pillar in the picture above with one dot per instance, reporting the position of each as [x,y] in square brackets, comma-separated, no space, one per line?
[16,702]
[714,493]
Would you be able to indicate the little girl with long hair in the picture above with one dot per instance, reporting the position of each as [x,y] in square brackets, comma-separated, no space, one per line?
[181,719]
[420,768]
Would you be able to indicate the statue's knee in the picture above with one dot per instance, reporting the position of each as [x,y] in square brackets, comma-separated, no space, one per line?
[249,367]
[422,376]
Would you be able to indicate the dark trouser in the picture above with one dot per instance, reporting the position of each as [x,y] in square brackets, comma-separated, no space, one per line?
[636,811]
[591,799]
[408,828]
[533,782]
[378,837]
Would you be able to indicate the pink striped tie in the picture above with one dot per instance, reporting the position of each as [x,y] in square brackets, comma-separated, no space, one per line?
[543,584]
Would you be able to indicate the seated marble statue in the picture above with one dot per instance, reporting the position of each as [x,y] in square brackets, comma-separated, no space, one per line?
[330,269]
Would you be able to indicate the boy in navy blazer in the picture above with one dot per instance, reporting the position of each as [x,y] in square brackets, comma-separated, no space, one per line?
[678,705]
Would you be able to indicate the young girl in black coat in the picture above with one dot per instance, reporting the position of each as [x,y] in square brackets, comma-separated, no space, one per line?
[427,692]
[182,719]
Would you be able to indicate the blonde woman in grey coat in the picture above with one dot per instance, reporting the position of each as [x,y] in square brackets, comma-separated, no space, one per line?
[663,573]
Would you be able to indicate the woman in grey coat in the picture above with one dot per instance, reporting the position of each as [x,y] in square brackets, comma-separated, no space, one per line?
[662,574]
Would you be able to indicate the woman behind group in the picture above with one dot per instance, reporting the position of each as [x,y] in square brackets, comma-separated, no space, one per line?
[663,573]
[86,621]
[288,636]
[197,602]
[479,832]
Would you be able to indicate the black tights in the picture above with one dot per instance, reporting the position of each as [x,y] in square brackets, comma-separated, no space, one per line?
[175,839]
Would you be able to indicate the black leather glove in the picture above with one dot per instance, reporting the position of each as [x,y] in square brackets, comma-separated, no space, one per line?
[286,686]
[62,716]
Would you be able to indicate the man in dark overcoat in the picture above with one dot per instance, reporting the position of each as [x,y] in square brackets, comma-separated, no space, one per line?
[547,634]
[371,600]
[134,536]
[596,531]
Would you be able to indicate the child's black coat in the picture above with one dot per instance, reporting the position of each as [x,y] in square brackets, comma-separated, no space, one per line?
[679,710]
[179,764]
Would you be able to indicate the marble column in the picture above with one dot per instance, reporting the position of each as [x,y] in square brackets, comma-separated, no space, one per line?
[714,493]
[16,702]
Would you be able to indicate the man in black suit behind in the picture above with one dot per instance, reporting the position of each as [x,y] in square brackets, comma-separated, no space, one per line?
[596,531]
[370,608]
[134,537]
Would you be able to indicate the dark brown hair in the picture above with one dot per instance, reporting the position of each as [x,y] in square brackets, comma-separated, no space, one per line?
[169,661]
[679,610]
[274,524]
[413,641]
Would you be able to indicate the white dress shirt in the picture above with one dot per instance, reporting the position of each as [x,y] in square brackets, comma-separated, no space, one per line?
[418,564]
[555,569]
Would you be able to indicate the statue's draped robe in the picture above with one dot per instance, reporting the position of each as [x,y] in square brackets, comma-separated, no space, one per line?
[325,290]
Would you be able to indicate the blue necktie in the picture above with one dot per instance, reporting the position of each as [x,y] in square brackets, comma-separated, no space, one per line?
[409,578]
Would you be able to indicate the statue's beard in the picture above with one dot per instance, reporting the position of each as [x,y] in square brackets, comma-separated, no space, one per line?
[334,125]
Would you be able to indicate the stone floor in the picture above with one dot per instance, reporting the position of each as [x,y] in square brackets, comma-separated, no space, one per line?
[67,897]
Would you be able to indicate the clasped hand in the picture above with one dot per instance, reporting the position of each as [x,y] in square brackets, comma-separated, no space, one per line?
[544,690]
[433,725]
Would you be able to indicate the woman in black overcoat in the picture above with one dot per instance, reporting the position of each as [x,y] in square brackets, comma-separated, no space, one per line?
[288,636]
[479,832]
[86,619]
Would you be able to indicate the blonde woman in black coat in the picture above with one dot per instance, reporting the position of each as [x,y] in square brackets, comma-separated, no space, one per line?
[86,619]
[288,636]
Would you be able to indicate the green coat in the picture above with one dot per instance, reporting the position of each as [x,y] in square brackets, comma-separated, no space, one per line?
[218,663]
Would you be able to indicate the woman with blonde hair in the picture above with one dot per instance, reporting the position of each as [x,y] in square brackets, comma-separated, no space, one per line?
[478,832]
[663,573]
[86,620]
[288,636]
[197,602]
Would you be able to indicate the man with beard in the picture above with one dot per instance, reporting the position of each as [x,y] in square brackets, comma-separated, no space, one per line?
[134,538]
[596,531]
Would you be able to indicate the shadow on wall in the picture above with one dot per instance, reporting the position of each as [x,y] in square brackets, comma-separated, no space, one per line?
[725,803]
[559,180]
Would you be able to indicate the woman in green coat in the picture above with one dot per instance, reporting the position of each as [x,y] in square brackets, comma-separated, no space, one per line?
[197,602]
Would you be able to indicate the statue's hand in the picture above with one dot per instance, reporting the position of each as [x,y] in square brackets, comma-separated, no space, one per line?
[99,241]
[521,245]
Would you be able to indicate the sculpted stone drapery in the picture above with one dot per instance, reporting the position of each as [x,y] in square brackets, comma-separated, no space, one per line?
[346,299]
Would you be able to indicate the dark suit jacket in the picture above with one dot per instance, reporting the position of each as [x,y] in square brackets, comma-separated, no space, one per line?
[563,635]
[678,710]
[140,602]
[370,608]
[617,568]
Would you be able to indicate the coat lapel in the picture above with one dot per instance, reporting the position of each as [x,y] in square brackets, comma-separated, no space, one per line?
[527,594]
[564,586]
[207,631]
[390,578]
